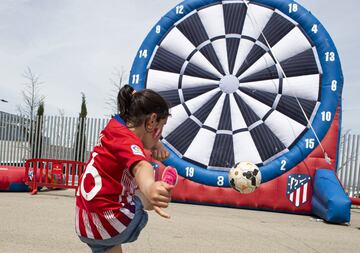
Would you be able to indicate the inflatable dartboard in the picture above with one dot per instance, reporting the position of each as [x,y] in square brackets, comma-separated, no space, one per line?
[255,81]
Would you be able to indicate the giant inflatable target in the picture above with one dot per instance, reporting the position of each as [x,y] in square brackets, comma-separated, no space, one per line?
[255,81]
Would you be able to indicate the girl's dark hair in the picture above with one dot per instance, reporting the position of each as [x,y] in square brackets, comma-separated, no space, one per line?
[135,107]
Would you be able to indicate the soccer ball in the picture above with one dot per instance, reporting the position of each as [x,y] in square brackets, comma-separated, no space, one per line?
[245,177]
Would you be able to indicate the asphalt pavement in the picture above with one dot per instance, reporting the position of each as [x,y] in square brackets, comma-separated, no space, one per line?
[45,223]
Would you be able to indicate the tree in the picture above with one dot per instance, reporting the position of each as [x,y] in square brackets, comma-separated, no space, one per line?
[61,112]
[32,100]
[80,141]
[31,96]
[117,82]
[37,141]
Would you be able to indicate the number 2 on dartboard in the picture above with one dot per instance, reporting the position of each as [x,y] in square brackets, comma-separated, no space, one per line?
[283,164]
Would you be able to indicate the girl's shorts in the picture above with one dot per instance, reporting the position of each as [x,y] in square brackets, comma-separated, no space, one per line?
[130,234]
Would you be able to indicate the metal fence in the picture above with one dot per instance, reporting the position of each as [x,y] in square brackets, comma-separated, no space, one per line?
[349,164]
[52,137]
[69,138]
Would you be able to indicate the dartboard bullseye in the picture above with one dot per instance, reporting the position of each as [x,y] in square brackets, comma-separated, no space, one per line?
[247,81]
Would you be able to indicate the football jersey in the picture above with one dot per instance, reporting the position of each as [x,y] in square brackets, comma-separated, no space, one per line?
[104,198]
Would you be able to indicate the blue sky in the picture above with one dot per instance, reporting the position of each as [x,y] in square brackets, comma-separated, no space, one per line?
[76,46]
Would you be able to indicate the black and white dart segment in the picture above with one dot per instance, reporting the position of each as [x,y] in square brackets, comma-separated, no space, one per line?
[230,100]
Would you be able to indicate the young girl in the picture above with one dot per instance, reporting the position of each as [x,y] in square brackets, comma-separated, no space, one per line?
[108,211]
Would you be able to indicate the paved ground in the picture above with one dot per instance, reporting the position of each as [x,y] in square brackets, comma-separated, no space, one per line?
[45,223]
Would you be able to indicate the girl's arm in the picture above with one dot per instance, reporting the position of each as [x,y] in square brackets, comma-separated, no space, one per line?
[157,193]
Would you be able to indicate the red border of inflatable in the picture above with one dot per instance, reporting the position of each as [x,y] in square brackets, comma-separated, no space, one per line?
[12,178]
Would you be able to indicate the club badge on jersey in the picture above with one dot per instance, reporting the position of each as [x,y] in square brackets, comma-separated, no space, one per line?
[137,150]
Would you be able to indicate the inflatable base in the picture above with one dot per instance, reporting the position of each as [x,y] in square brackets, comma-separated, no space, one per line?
[12,179]
[329,201]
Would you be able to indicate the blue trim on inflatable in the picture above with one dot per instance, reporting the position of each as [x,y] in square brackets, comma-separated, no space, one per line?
[197,173]
[339,137]
[331,72]
[18,187]
[329,201]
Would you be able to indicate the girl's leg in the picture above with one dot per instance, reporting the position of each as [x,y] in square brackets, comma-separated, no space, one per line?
[115,249]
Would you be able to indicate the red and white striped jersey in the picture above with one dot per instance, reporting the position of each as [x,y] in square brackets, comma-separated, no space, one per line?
[104,198]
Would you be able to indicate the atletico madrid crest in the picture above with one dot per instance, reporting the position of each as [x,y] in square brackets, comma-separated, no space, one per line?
[298,188]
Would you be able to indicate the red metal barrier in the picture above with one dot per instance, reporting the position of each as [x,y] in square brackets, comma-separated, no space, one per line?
[54,174]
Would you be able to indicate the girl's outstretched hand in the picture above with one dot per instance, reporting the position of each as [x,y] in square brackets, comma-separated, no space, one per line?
[159,195]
